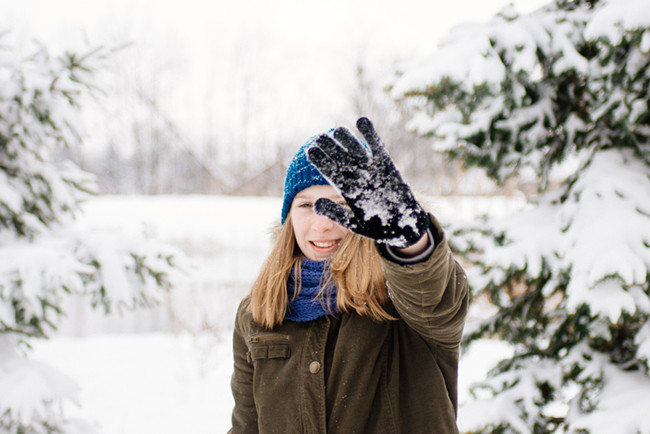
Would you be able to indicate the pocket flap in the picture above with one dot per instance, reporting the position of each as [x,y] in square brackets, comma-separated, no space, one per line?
[269,346]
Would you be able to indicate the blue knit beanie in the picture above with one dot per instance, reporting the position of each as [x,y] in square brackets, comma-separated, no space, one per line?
[301,174]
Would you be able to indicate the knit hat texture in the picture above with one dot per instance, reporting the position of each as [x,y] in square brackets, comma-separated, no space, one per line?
[301,174]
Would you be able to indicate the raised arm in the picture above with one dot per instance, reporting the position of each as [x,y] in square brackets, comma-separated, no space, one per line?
[432,294]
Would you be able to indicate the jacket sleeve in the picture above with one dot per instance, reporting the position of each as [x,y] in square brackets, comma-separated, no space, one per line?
[244,414]
[432,295]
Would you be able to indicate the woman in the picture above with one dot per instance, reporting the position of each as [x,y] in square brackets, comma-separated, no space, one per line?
[354,323]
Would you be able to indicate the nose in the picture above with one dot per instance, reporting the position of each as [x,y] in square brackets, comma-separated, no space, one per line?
[322,224]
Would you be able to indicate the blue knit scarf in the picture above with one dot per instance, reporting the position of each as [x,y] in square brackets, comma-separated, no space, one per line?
[306,306]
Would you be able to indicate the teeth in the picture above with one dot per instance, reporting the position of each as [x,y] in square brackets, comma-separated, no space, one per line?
[324,244]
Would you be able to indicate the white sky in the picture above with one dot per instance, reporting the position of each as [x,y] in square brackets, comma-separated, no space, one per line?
[281,62]
[408,25]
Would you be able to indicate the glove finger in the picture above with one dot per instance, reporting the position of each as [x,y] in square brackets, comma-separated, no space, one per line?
[335,212]
[339,175]
[356,151]
[323,163]
[375,144]
[333,150]
[380,157]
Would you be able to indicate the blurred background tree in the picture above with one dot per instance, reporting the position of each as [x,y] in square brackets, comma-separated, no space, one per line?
[151,147]
[42,260]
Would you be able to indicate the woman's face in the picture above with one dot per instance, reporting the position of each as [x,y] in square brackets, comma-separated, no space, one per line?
[317,237]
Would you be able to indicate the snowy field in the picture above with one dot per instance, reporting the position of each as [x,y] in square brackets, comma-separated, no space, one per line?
[167,370]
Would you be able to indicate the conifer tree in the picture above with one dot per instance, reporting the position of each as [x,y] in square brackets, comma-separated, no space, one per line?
[43,259]
[559,96]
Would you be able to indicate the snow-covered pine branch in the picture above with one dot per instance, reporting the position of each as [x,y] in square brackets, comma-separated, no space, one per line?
[530,91]
[559,94]
[43,260]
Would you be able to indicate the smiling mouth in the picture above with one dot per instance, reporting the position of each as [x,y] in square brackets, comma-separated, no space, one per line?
[324,244]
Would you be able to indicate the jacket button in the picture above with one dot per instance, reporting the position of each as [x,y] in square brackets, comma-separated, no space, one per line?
[314,367]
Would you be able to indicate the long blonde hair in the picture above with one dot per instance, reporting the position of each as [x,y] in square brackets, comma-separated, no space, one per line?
[355,268]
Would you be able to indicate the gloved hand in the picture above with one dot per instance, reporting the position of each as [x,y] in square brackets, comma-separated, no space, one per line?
[380,205]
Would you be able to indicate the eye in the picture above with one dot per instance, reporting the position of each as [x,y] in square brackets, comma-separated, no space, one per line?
[305,205]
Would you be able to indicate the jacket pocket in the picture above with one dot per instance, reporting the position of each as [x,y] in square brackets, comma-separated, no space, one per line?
[268,346]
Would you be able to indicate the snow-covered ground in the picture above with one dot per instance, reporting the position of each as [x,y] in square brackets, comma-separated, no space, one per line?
[167,370]
[165,383]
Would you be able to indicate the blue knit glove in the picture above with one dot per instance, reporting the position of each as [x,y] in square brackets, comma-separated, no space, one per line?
[380,205]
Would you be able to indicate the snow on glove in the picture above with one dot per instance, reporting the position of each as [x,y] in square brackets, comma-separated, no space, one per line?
[380,205]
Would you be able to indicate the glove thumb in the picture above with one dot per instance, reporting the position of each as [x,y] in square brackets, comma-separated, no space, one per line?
[335,212]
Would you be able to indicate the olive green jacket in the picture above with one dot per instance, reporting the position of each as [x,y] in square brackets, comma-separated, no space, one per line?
[348,374]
